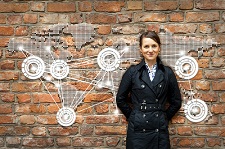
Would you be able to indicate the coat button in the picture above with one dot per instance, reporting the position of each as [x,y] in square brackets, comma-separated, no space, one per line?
[144,115]
[156,115]
[159,85]
[156,100]
[146,121]
[143,130]
[142,86]
[156,130]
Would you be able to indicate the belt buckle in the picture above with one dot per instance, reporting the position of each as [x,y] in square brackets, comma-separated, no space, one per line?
[143,106]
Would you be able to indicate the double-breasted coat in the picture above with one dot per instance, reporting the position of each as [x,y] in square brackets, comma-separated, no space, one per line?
[148,114]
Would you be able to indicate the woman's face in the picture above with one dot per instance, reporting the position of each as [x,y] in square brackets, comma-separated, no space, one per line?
[149,49]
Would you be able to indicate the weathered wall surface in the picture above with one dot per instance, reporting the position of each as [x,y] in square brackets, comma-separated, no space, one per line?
[27,112]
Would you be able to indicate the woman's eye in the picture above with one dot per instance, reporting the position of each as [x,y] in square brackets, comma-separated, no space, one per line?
[146,46]
[154,46]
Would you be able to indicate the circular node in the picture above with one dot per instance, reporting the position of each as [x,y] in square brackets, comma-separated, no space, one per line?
[186,67]
[108,59]
[59,69]
[33,67]
[196,110]
[66,116]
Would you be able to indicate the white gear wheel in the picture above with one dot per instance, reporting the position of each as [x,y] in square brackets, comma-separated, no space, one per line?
[33,67]
[186,67]
[59,69]
[66,116]
[108,59]
[196,110]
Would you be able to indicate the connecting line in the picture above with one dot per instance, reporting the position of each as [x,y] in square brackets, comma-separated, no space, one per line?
[83,63]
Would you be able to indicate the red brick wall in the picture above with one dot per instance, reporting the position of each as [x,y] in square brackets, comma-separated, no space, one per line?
[27,113]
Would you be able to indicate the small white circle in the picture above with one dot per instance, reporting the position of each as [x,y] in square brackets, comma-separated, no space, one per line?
[186,67]
[33,67]
[66,116]
[196,110]
[59,69]
[108,59]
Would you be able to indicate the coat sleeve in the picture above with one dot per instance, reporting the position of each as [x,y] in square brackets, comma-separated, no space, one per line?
[174,96]
[123,92]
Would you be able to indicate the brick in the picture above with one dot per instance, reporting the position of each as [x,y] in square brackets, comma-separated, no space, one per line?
[91,97]
[186,4]
[7,65]
[62,131]
[30,18]
[14,7]
[203,63]
[134,5]
[113,6]
[104,29]
[108,119]
[30,109]
[21,31]
[220,28]
[218,62]
[85,6]
[26,86]
[214,142]
[102,108]
[112,141]
[128,29]
[45,98]
[63,141]
[84,108]
[181,28]
[205,28]
[63,18]
[178,119]
[27,119]
[124,18]
[14,19]
[189,142]
[176,17]
[86,130]
[38,142]
[209,96]
[3,19]
[218,38]
[23,98]
[218,85]
[150,17]
[209,4]
[5,109]
[184,131]
[218,108]
[6,130]
[21,130]
[48,18]
[161,5]
[215,74]
[8,119]
[15,55]
[203,85]
[52,108]
[61,7]
[209,131]
[13,141]
[7,97]
[8,75]
[37,6]
[4,42]
[76,18]
[153,27]
[87,142]
[222,97]
[95,18]
[4,87]
[6,30]
[202,16]
[110,130]
[47,119]
[39,131]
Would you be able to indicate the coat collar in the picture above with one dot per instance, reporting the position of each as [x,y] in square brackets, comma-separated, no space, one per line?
[144,76]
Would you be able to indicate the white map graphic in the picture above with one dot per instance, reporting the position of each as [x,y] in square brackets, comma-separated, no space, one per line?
[52,56]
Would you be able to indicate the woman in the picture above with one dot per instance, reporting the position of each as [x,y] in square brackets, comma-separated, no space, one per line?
[149,85]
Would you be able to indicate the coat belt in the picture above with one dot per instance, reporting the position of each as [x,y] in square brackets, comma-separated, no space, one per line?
[147,107]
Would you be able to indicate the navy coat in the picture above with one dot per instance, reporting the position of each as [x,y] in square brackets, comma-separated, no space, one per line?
[147,114]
